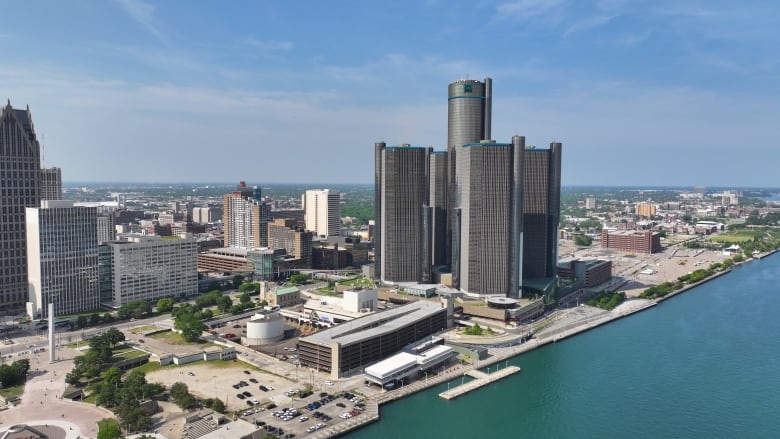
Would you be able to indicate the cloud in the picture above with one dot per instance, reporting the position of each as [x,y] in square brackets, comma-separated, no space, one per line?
[269,45]
[589,23]
[527,9]
[143,13]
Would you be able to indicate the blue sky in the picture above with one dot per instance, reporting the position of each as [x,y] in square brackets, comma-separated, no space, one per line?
[640,92]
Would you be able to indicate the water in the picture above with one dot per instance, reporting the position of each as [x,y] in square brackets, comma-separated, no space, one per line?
[702,365]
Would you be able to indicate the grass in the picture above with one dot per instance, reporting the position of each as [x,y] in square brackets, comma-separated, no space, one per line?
[107,424]
[144,328]
[172,337]
[11,392]
[129,353]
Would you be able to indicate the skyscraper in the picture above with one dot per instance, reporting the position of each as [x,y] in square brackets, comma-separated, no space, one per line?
[437,199]
[51,184]
[19,188]
[62,256]
[401,194]
[245,218]
[541,211]
[322,212]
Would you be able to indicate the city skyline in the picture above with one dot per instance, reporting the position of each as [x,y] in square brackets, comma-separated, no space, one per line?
[643,93]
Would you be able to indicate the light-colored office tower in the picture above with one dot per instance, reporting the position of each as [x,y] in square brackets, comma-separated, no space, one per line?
[282,233]
[150,268]
[19,188]
[51,184]
[590,202]
[487,223]
[106,230]
[322,212]
[245,218]
[541,211]
[62,258]
[401,192]
[165,219]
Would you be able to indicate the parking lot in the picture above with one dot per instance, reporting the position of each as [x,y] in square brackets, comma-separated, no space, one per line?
[305,415]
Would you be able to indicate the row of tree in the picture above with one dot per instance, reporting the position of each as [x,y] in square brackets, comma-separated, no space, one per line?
[96,358]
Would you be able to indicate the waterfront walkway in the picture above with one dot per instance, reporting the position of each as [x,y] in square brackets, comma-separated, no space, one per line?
[481,379]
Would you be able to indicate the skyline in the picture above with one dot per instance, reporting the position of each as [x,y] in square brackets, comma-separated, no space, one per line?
[640,92]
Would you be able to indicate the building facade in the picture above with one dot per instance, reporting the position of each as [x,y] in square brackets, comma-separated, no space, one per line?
[632,241]
[150,268]
[282,233]
[401,192]
[245,218]
[19,189]
[541,211]
[322,212]
[51,184]
[62,258]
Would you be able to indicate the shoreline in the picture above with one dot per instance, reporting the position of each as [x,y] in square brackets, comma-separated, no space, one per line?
[504,354]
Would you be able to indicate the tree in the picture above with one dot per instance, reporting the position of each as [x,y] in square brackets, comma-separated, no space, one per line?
[108,429]
[245,298]
[181,396]
[218,406]
[298,278]
[583,240]
[246,287]
[81,321]
[165,305]
[224,303]
[190,327]
[113,376]
[114,336]
[94,319]
[237,280]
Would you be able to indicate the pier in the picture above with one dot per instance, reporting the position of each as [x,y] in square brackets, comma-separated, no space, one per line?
[480,379]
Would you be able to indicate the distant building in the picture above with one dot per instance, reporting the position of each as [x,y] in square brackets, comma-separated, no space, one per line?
[282,297]
[62,256]
[645,209]
[106,230]
[588,273]
[245,218]
[282,233]
[225,260]
[150,268]
[51,184]
[590,202]
[322,210]
[632,241]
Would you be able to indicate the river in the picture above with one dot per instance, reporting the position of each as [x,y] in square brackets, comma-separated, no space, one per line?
[705,364]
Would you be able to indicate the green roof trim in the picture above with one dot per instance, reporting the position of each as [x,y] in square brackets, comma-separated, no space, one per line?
[287,290]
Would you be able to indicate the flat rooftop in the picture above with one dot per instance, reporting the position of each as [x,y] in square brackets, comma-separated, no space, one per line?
[375,324]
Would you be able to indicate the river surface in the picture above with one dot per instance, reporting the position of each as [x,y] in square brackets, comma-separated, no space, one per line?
[705,364]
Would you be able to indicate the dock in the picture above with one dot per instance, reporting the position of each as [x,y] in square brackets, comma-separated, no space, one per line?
[480,379]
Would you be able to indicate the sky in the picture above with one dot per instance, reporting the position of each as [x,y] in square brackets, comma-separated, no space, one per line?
[640,92]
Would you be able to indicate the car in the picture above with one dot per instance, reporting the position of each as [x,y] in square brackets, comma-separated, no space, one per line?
[303,418]
[247,372]
[247,394]
[250,403]
[236,386]
[263,388]
[190,374]
[252,380]
[240,396]
[141,340]
[340,405]
[328,382]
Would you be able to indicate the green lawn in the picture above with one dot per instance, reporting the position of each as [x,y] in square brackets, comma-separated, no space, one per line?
[733,238]
[173,337]
[10,392]
[145,328]
[128,353]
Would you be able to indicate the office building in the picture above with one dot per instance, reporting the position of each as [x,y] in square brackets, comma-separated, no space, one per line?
[322,212]
[487,221]
[19,189]
[541,212]
[106,230]
[51,184]
[62,258]
[282,233]
[245,218]
[437,201]
[401,193]
[645,209]
[631,241]
[150,268]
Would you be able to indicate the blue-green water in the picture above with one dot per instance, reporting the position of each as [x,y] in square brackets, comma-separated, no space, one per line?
[705,364]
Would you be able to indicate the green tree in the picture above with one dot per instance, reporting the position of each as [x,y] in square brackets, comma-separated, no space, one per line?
[218,406]
[94,319]
[113,376]
[582,240]
[224,303]
[245,298]
[164,305]
[298,278]
[190,327]
[108,429]
[81,322]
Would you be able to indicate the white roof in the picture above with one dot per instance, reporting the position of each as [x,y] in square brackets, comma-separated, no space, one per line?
[391,365]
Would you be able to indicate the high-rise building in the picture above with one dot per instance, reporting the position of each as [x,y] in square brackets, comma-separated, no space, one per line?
[149,268]
[19,189]
[541,211]
[245,218]
[282,233]
[51,184]
[322,212]
[401,192]
[106,231]
[487,222]
[438,203]
[62,258]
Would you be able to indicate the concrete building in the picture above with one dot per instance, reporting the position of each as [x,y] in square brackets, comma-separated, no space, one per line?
[322,212]
[645,209]
[590,202]
[360,300]
[587,272]
[150,268]
[401,196]
[224,260]
[19,189]
[282,297]
[106,230]
[51,184]
[350,347]
[62,258]
[282,233]
[245,218]
[632,241]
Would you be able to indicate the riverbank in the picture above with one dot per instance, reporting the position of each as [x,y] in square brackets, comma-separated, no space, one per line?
[497,356]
